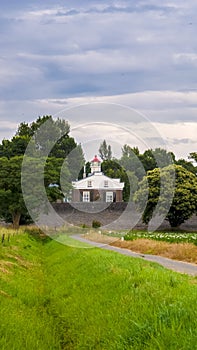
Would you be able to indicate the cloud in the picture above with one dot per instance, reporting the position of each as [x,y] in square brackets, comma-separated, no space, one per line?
[138,53]
[183,141]
[103,49]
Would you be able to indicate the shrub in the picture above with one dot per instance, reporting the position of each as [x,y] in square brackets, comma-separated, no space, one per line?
[96,224]
[84,226]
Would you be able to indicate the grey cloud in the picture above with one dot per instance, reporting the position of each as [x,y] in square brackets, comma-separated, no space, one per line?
[132,9]
[71,12]
[135,8]
[98,49]
[185,141]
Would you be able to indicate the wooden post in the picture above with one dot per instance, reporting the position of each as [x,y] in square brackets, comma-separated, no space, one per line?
[3,238]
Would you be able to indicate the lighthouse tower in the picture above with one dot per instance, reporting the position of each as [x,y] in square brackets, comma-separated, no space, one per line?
[95,165]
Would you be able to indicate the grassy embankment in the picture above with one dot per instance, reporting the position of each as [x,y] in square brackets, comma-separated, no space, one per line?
[58,297]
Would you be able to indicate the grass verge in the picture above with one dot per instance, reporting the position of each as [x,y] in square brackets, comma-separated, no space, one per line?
[57,297]
[179,251]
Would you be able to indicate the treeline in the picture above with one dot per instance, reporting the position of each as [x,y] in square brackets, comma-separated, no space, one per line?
[155,179]
[43,154]
[132,166]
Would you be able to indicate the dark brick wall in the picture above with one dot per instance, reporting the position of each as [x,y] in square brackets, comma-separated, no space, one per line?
[110,215]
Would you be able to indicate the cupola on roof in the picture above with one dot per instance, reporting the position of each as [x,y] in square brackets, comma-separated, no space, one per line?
[95,160]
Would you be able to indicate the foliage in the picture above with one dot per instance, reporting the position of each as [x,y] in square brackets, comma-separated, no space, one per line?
[15,147]
[105,151]
[51,151]
[44,179]
[113,169]
[193,155]
[12,204]
[130,161]
[48,137]
[96,224]
[75,161]
[87,170]
[139,164]
[11,198]
[187,165]
[91,299]
[184,203]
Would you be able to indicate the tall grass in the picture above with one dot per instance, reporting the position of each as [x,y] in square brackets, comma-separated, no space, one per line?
[58,297]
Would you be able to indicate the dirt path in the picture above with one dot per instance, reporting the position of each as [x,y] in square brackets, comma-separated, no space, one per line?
[178,266]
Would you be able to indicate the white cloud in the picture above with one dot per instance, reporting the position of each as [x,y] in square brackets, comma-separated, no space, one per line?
[140,54]
[186,58]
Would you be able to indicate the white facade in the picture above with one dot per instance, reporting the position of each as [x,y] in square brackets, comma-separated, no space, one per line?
[98,181]
[97,186]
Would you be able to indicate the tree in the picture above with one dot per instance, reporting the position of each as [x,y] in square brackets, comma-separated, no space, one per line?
[129,151]
[130,161]
[48,137]
[48,145]
[87,171]
[105,151]
[187,165]
[148,160]
[76,162]
[184,202]
[156,158]
[12,204]
[15,147]
[113,169]
[36,180]
[138,163]
[193,155]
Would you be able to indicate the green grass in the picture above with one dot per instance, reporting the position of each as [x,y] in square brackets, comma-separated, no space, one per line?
[57,297]
[170,237]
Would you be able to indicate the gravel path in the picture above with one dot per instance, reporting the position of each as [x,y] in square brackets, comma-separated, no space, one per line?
[178,266]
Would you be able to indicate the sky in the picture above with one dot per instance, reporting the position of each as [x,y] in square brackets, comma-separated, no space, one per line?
[142,55]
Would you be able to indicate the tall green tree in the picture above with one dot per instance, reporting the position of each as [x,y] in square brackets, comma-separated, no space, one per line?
[130,161]
[48,137]
[105,151]
[51,151]
[76,162]
[37,180]
[12,204]
[184,203]
[87,170]
[44,180]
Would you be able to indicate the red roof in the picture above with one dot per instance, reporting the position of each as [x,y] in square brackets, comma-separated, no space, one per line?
[95,159]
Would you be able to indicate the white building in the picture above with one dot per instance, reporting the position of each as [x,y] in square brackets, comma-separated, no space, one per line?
[97,186]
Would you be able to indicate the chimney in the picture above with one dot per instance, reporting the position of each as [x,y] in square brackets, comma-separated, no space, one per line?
[84,172]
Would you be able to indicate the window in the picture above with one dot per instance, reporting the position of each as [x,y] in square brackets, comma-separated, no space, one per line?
[105,183]
[89,183]
[109,197]
[86,196]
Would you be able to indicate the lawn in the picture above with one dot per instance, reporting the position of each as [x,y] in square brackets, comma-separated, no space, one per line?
[57,297]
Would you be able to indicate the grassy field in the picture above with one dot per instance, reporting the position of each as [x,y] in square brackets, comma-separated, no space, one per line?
[58,297]
[170,237]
